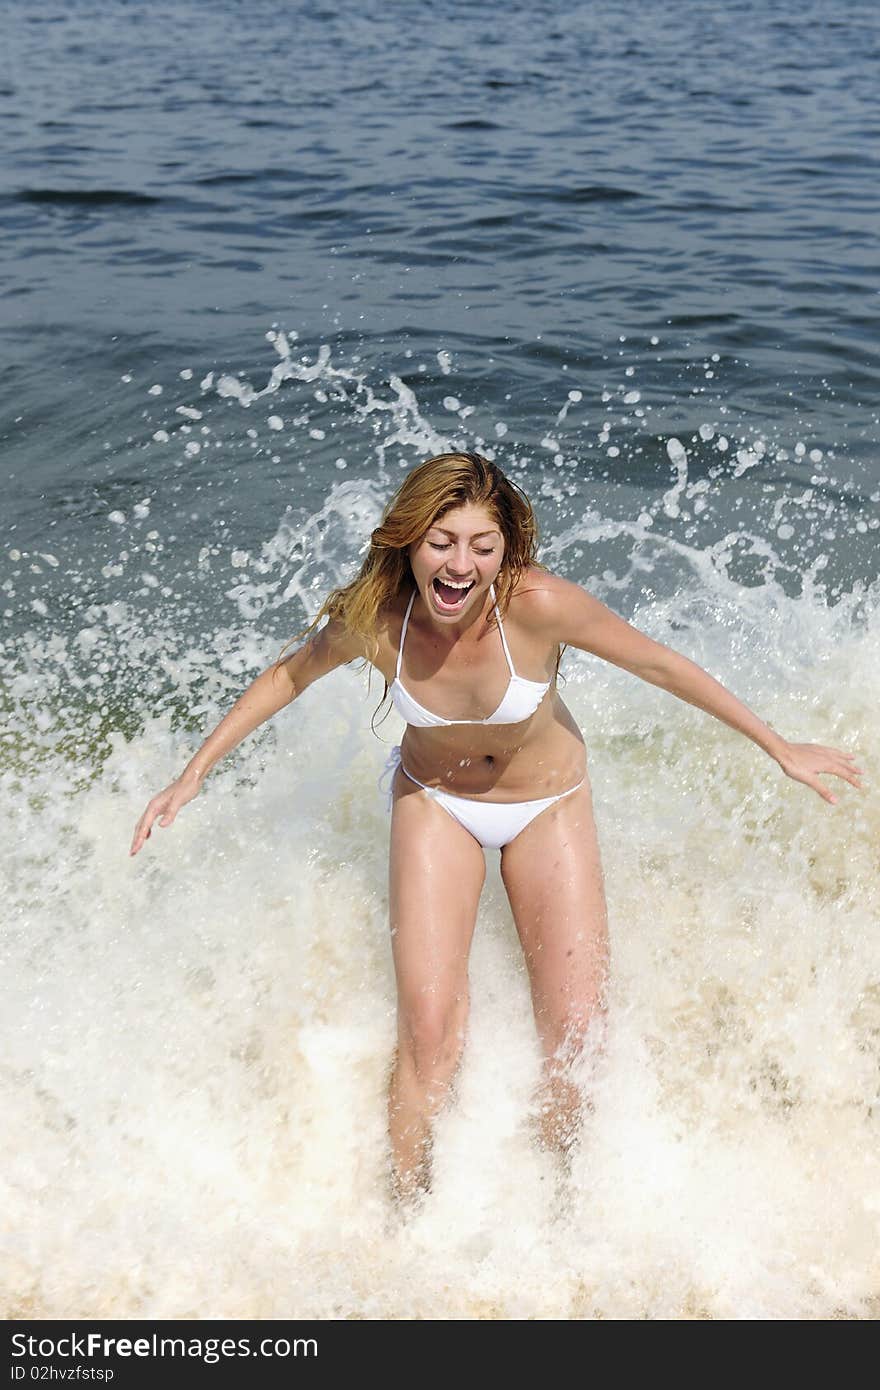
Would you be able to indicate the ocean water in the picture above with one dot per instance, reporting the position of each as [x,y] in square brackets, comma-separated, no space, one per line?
[256,261]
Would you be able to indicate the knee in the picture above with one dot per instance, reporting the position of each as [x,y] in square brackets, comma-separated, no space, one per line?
[431,1033]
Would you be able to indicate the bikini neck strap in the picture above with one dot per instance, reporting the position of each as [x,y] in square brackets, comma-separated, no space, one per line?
[412,599]
[501,630]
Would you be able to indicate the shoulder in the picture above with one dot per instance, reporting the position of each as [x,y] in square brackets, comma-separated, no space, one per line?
[389,619]
[546,602]
[334,645]
[567,614]
[389,630]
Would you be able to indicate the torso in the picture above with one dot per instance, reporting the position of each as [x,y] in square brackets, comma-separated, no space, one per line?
[540,756]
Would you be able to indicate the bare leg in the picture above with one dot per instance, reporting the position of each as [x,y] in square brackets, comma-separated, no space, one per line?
[437,871]
[553,875]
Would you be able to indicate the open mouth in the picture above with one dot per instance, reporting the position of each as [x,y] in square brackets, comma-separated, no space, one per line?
[450,597]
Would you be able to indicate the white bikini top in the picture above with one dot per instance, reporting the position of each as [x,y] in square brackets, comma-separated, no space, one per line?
[521,698]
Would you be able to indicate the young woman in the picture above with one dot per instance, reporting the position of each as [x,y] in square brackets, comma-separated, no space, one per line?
[466,628]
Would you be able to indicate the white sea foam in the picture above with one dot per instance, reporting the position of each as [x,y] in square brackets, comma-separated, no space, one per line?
[200,1038]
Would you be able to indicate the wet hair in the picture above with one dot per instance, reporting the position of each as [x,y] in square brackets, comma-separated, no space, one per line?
[435,487]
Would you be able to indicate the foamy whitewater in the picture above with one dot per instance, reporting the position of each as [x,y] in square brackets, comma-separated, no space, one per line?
[199,1039]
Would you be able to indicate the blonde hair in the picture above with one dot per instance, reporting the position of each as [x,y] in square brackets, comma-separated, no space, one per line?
[426,494]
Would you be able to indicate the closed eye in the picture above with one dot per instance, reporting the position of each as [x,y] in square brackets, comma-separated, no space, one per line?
[438,545]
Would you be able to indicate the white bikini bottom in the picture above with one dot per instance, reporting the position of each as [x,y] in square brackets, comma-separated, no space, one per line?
[493,824]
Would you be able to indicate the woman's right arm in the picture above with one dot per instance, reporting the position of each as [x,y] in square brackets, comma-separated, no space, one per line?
[276,687]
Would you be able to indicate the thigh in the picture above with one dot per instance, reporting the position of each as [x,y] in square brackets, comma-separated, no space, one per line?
[553,875]
[436,874]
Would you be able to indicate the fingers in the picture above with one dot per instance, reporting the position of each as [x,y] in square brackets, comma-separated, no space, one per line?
[142,832]
[810,760]
[836,762]
[843,771]
[144,827]
[846,774]
[849,758]
[834,753]
[820,787]
[163,808]
[847,771]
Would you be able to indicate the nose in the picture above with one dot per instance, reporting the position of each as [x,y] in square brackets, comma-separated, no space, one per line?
[458,565]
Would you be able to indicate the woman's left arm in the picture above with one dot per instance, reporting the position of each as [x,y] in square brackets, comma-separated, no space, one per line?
[584,622]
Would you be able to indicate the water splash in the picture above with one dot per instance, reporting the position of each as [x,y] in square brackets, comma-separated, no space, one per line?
[200,1039]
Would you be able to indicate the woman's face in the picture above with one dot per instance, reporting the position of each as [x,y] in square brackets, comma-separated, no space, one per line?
[456,560]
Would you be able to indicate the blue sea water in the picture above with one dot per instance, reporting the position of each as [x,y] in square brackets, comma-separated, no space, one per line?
[256,260]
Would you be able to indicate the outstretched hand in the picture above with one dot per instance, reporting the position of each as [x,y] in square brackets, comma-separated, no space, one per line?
[804,761]
[164,806]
